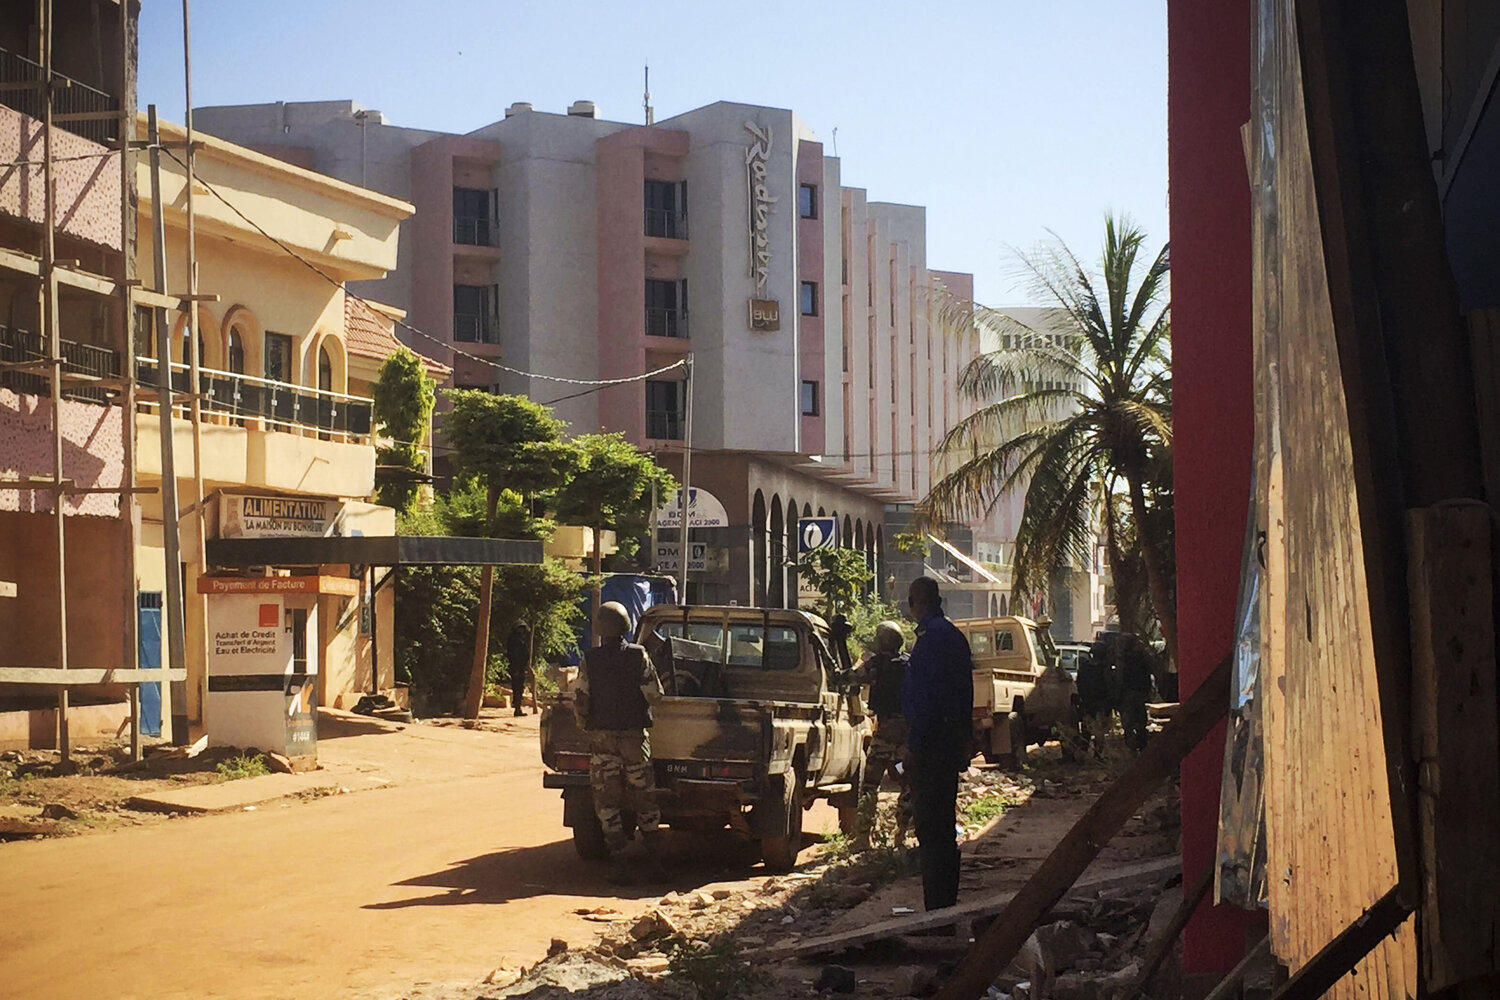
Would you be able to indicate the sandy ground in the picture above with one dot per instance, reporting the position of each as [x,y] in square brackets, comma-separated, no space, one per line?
[459,866]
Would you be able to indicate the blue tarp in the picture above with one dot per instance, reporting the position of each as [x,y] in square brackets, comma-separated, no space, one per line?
[637,593]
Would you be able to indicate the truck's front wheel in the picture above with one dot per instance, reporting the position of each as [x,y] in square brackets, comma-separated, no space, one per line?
[779,850]
[588,835]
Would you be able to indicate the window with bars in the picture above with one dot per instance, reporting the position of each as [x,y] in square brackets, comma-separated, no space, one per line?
[666,209]
[476,310]
[474,217]
[666,308]
[665,407]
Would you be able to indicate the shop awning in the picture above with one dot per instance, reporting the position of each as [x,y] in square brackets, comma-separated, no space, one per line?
[373,550]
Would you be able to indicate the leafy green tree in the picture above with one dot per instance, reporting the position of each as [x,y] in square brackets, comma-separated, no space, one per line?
[838,574]
[1066,409]
[507,443]
[611,490]
[404,396]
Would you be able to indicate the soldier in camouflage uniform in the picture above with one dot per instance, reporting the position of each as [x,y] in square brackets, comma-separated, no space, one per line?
[883,671]
[616,687]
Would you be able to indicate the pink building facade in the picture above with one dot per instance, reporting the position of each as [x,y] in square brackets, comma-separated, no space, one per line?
[573,246]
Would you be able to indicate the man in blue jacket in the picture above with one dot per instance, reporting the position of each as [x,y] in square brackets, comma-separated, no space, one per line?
[937,698]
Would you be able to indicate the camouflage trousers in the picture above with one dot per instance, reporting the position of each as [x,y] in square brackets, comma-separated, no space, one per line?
[887,749]
[621,777]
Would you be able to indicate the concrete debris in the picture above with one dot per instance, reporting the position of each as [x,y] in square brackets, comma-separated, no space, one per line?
[557,947]
[278,763]
[1055,948]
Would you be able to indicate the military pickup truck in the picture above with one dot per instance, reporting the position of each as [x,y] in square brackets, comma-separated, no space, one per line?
[1021,689]
[755,725]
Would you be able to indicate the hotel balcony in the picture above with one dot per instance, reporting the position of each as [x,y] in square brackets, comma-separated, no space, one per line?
[666,223]
[666,322]
[260,433]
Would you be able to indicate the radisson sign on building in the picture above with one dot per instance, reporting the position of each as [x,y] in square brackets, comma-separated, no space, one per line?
[765,314]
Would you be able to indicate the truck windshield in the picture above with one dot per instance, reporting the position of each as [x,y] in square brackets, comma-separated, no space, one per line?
[707,633]
[770,647]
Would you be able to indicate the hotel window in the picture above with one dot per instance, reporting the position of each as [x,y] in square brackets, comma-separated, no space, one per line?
[476,310]
[666,308]
[809,399]
[278,357]
[474,217]
[809,298]
[666,209]
[807,201]
[664,409]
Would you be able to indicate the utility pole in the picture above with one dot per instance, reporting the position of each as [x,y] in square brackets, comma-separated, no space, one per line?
[171,544]
[54,369]
[683,548]
[197,685]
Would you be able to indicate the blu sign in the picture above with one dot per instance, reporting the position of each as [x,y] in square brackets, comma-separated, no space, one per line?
[817,533]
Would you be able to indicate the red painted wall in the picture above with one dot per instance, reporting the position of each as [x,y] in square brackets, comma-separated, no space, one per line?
[1208,99]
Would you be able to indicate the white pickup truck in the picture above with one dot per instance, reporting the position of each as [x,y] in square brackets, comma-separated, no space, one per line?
[1021,690]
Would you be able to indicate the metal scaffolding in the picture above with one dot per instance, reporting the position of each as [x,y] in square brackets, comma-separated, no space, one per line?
[52,273]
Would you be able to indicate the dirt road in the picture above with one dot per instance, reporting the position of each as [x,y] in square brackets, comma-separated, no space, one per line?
[459,866]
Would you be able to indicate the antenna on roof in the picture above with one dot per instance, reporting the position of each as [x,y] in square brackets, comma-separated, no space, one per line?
[650,114]
[835,140]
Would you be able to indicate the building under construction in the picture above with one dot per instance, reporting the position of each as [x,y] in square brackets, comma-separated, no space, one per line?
[68,609]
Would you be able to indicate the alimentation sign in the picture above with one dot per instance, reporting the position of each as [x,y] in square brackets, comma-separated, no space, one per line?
[276,517]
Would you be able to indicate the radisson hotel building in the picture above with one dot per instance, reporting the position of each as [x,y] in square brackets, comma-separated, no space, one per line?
[567,244]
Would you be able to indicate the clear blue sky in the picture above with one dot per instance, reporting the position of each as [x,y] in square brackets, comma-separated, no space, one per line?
[1004,118]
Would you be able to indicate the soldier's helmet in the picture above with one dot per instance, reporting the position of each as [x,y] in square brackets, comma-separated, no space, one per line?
[889,638]
[612,621]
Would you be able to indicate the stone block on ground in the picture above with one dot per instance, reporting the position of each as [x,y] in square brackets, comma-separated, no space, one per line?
[836,979]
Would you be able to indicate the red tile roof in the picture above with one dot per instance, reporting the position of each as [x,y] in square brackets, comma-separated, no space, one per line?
[370,334]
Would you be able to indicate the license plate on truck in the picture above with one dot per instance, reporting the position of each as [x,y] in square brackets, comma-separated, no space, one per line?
[706,769]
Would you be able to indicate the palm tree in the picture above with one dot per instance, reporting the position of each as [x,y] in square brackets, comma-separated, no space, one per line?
[1077,412]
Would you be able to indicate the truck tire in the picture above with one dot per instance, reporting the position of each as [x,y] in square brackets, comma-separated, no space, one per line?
[780,850]
[997,741]
[588,835]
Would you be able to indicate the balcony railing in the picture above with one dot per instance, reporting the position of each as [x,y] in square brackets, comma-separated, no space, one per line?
[666,223]
[470,329]
[277,405]
[22,346]
[664,425]
[72,99]
[475,232]
[661,322]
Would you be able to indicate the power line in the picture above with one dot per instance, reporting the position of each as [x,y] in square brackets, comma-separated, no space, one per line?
[597,383]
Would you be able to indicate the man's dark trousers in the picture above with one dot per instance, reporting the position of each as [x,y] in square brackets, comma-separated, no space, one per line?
[935,805]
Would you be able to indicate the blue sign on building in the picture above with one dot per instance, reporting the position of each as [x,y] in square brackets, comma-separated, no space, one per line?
[817,533]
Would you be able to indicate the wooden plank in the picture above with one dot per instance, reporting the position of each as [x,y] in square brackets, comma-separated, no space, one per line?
[1484,347]
[1458,750]
[896,927]
[1344,952]
[1000,942]
[87,675]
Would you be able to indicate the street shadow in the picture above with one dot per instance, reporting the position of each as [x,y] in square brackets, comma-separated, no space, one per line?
[332,727]
[692,860]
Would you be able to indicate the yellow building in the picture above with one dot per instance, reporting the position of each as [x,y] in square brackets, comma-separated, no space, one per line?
[283,446]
